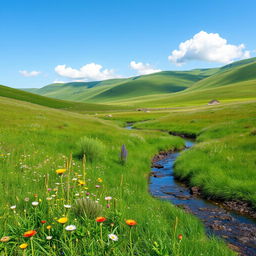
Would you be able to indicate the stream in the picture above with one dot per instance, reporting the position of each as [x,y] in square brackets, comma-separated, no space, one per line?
[237,230]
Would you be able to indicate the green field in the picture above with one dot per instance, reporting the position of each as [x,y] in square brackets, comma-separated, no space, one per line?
[39,135]
[35,141]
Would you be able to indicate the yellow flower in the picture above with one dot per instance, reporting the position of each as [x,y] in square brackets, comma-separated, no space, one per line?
[49,227]
[62,220]
[60,171]
[81,182]
[100,180]
[23,246]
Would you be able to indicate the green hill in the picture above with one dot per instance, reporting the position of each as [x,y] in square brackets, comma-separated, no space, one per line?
[117,89]
[231,83]
[53,103]
[160,89]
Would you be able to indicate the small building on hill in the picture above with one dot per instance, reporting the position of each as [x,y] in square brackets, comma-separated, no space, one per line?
[213,102]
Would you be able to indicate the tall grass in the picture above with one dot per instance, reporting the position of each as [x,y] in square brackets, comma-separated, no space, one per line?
[92,148]
[35,141]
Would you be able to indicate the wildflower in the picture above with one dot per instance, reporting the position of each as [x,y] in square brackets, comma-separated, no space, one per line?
[35,203]
[131,222]
[70,227]
[49,237]
[180,237]
[100,219]
[108,206]
[35,195]
[48,198]
[67,206]
[87,193]
[49,189]
[100,180]
[60,171]
[29,233]
[5,239]
[62,220]
[123,154]
[13,207]
[74,179]
[81,182]
[43,221]
[23,246]
[26,199]
[108,198]
[97,186]
[113,237]
[49,227]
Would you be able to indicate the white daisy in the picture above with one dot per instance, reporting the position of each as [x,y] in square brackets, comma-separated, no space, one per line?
[113,237]
[67,206]
[13,207]
[108,198]
[35,203]
[70,227]
[49,237]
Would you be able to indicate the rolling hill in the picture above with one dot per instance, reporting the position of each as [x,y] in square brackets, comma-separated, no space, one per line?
[165,82]
[162,88]
[237,83]
[54,103]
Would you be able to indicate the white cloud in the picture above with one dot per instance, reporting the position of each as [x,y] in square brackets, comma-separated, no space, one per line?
[29,73]
[208,47]
[88,72]
[59,82]
[143,68]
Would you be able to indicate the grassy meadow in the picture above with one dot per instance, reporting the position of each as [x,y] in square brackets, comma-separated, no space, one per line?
[51,197]
[68,189]
[225,150]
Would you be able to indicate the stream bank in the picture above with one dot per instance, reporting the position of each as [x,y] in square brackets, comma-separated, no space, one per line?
[236,228]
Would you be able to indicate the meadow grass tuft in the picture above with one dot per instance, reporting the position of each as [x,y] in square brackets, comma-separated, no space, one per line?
[92,148]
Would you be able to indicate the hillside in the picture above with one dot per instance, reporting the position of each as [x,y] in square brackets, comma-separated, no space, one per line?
[117,89]
[231,83]
[167,88]
[53,103]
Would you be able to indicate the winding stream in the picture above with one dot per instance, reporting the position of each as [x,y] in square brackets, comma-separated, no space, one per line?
[238,231]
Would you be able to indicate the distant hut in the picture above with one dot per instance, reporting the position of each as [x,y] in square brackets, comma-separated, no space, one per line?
[213,102]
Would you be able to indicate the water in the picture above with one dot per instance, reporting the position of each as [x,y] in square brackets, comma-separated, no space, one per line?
[238,231]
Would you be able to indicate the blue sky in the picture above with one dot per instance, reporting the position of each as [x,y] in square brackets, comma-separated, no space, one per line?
[62,40]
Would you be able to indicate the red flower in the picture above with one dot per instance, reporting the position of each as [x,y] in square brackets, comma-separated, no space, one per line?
[100,219]
[131,222]
[43,221]
[180,237]
[29,233]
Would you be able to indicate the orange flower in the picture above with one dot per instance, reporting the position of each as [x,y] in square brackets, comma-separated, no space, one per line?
[131,222]
[60,171]
[180,237]
[100,219]
[43,221]
[29,233]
